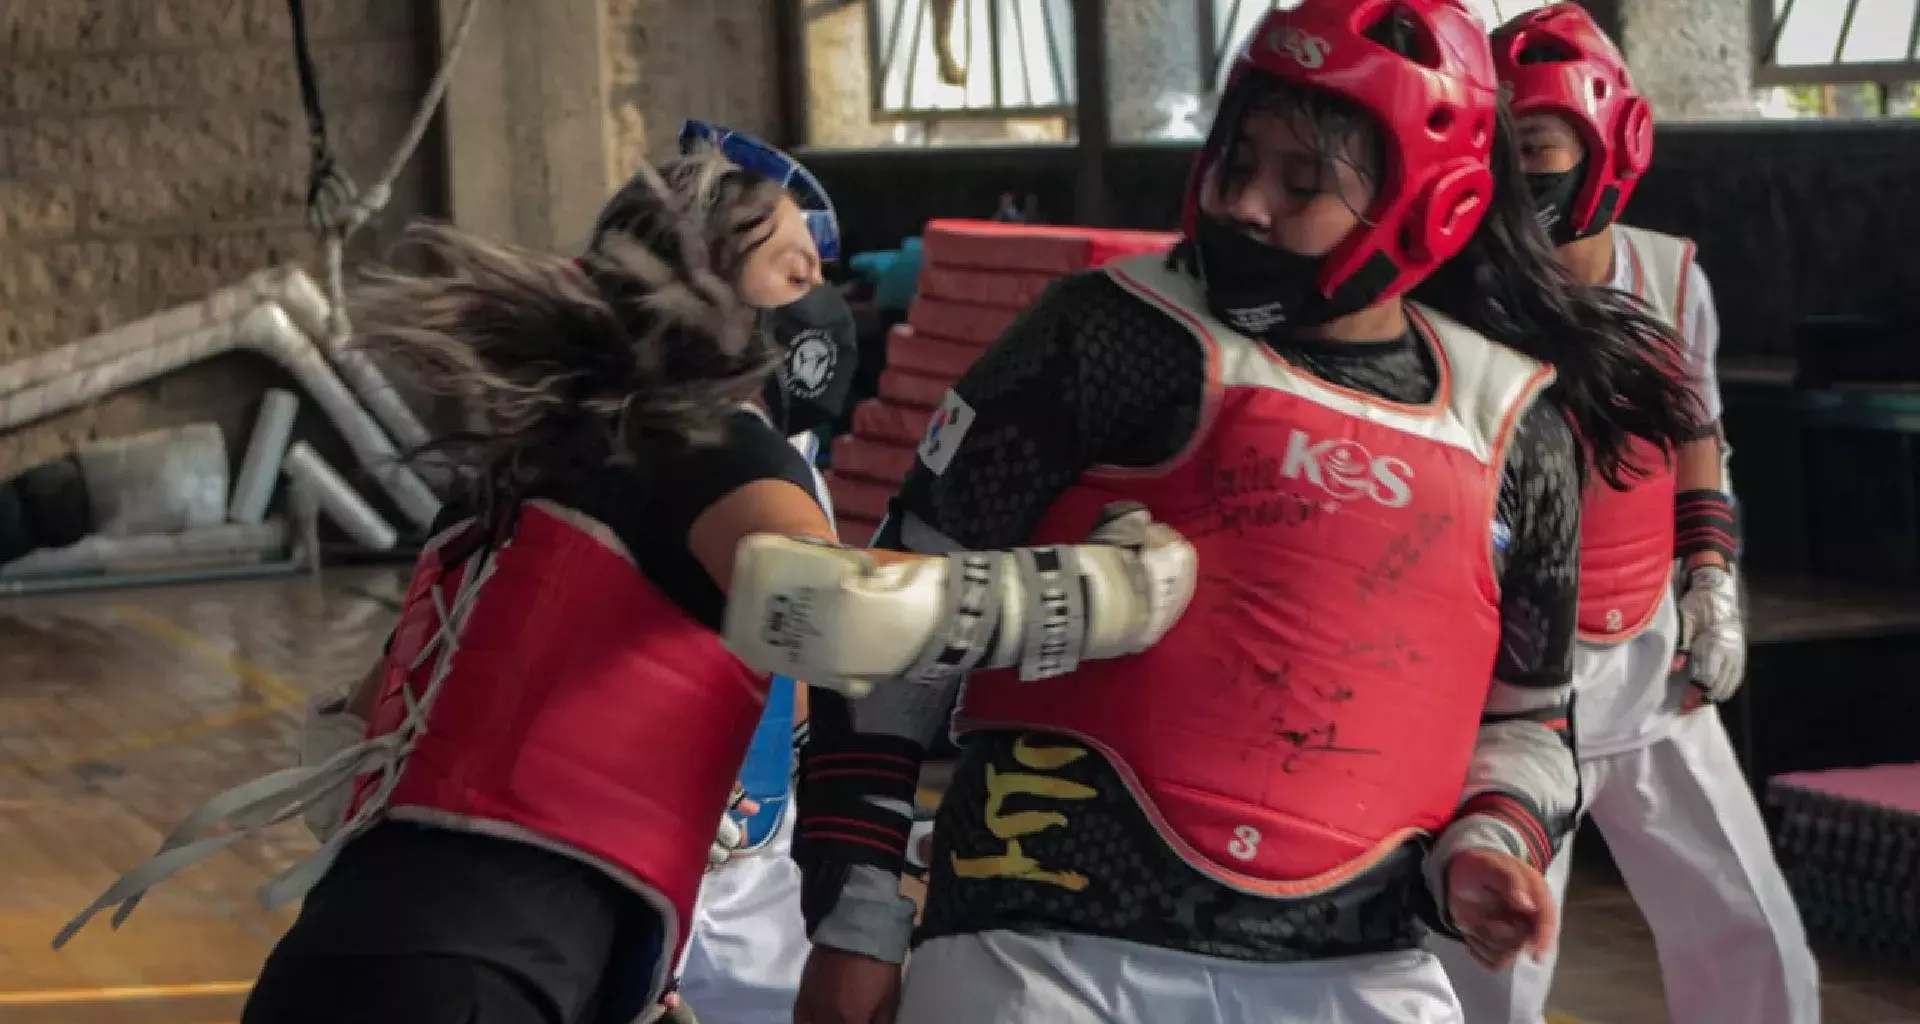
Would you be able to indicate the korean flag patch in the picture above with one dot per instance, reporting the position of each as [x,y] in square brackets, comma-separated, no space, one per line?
[945,432]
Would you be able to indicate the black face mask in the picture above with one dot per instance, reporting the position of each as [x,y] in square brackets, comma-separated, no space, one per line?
[819,350]
[1553,199]
[1256,288]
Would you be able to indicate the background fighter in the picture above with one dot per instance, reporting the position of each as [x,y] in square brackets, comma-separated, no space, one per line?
[1658,775]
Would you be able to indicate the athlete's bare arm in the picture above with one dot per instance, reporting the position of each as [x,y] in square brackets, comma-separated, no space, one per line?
[1706,530]
[764,506]
[1523,783]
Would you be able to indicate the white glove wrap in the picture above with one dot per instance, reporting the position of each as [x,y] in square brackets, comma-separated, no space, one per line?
[1716,631]
[731,835]
[834,617]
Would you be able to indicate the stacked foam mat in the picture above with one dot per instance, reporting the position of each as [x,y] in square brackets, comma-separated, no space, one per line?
[976,277]
[1849,840]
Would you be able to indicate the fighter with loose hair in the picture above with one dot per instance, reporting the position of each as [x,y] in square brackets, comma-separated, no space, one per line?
[556,730]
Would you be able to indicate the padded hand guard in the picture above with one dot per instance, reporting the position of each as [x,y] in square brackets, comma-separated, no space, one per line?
[1714,632]
[731,835]
[835,617]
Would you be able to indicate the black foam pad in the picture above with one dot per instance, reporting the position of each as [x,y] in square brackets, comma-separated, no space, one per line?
[54,495]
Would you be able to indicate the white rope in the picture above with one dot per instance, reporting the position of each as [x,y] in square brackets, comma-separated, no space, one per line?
[247,809]
[338,211]
[339,228]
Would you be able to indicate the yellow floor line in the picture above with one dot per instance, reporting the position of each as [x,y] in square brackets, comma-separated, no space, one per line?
[150,740]
[275,691]
[279,694]
[124,993]
[260,680]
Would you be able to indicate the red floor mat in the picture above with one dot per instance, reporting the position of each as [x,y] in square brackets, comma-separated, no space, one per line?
[983,287]
[1894,786]
[890,424]
[989,245]
[855,531]
[959,321]
[859,499]
[914,352]
[871,460]
[1107,246]
[903,387]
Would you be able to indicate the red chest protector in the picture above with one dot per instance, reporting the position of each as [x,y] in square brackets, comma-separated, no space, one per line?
[1626,537]
[1319,701]
[581,710]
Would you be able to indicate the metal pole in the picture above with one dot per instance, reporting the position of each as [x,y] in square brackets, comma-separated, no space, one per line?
[1094,134]
[790,38]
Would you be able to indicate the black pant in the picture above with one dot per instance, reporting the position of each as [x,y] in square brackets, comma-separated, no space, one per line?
[390,990]
[422,925]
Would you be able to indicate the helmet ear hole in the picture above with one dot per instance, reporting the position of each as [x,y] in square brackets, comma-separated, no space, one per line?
[1440,120]
[1600,89]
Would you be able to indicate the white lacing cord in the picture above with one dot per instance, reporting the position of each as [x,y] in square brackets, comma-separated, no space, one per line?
[280,796]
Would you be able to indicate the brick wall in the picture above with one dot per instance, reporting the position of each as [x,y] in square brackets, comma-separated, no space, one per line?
[154,150]
[673,59]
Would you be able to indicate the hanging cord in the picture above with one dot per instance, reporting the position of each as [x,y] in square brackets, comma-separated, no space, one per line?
[335,208]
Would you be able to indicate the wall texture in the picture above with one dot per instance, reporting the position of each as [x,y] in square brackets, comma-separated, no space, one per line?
[154,150]
[1693,58]
[668,60]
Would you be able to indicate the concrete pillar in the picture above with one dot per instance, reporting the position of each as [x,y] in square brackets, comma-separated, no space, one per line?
[528,159]
[1693,58]
[1154,89]
[669,60]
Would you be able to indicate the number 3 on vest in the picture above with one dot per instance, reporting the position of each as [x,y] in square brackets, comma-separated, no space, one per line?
[1246,843]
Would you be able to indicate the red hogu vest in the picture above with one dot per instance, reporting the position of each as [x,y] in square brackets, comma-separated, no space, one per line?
[582,710]
[1626,537]
[1319,701]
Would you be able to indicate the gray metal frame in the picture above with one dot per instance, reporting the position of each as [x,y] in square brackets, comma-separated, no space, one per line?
[1766,39]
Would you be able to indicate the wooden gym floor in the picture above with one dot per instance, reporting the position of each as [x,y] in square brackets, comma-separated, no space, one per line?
[120,711]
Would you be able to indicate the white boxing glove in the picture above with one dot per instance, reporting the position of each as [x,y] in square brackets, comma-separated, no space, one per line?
[1710,608]
[835,617]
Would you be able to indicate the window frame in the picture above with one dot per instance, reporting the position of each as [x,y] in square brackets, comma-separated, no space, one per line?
[1767,29]
[996,111]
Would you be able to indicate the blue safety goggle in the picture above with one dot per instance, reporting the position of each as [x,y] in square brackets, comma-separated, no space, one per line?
[760,158]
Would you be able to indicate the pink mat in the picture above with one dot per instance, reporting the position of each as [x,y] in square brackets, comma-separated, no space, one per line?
[1895,786]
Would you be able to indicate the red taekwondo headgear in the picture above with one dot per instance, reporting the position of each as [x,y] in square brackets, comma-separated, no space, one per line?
[1555,60]
[1434,106]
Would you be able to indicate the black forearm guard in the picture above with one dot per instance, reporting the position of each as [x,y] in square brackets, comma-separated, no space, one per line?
[1705,520]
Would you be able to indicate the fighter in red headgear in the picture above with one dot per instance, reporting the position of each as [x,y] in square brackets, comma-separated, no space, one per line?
[1659,774]
[1339,388]
[1556,62]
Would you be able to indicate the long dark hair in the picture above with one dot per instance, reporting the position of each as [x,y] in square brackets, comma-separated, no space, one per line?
[556,367]
[1621,371]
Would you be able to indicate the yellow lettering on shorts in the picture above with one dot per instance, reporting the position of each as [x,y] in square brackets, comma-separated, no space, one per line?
[1012,826]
